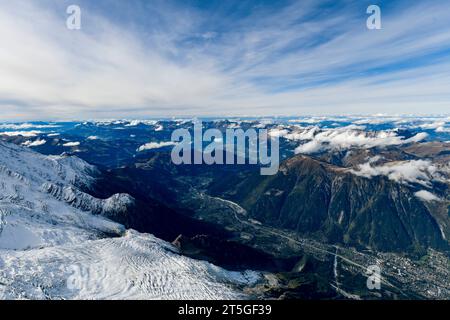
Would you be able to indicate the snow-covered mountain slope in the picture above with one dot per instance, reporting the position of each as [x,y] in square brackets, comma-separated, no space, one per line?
[37,168]
[31,217]
[135,266]
[55,243]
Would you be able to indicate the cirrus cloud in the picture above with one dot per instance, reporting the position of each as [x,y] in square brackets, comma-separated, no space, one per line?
[175,58]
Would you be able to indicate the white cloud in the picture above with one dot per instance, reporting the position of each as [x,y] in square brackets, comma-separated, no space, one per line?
[443,129]
[71,144]
[432,125]
[348,137]
[308,120]
[125,74]
[310,147]
[426,195]
[24,126]
[375,120]
[92,138]
[278,132]
[134,123]
[155,145]
[32,133]
[209,35]
[303,134]
[35,143]
[152,74]
[415,171]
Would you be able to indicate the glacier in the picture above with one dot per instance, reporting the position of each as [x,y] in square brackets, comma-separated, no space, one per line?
[55,242]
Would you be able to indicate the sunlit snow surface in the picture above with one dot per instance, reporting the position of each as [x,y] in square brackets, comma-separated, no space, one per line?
[135,266]
[51,250]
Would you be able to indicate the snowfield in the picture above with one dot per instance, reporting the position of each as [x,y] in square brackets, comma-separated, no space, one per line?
[52,248]
[135,266]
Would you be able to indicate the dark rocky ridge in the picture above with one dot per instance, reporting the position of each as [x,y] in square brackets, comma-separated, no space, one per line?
[318,199]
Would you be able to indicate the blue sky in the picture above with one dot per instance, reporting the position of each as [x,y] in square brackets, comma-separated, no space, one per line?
[138,59]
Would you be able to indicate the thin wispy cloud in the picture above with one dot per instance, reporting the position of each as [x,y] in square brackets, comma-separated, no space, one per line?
[164,58]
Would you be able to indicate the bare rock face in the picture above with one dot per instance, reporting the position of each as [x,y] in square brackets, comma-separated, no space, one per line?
[316,198]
